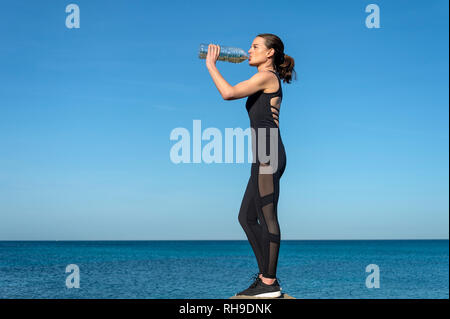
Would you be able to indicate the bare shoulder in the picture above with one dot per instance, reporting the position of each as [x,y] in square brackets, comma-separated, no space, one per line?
[263,76]
[266,74]
[271,81]
[263,79]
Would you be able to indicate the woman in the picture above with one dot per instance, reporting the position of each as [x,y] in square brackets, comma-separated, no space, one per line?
[258,211]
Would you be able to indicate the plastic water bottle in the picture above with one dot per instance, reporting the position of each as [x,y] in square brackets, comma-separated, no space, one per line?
[228,54]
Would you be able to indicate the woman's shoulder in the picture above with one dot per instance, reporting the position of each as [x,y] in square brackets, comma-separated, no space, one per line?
[274,84]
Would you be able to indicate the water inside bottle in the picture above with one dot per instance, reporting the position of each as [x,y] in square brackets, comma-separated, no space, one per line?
[228,54]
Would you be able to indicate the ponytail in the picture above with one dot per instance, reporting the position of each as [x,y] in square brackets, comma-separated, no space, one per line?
[286,68]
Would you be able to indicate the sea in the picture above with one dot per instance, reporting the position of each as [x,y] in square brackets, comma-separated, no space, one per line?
[217,269]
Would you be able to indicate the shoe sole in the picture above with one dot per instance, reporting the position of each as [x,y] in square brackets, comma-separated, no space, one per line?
[269,294]
[266,294]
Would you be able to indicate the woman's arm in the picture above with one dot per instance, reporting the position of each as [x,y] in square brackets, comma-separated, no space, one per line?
[243,89]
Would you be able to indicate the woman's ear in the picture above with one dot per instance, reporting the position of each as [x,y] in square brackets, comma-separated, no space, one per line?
[270,53]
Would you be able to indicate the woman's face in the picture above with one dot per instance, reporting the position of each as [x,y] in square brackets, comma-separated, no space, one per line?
[258,52]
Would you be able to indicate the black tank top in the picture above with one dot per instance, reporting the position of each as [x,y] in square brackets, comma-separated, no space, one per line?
[260,110]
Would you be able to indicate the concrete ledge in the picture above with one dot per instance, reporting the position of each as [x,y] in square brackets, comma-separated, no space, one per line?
[283,296]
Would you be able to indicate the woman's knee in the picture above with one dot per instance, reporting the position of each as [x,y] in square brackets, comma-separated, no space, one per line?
[242,219]
[245,220]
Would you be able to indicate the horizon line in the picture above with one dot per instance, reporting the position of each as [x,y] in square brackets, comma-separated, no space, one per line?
[3,240]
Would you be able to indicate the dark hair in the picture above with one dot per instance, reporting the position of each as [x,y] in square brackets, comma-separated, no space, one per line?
[283,63]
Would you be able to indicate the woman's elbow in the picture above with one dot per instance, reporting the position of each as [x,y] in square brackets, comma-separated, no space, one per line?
[227,96]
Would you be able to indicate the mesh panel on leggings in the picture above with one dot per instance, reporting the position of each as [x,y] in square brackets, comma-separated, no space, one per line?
[266,191]
[265,183]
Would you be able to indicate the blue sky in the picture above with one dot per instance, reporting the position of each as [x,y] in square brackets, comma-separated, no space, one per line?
[86,115]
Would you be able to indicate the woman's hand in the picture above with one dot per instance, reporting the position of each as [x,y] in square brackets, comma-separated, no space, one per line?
[213,55]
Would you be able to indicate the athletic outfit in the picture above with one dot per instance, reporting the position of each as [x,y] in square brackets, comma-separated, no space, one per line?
[258,211]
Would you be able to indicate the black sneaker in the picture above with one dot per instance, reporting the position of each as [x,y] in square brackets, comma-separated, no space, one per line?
[260,289]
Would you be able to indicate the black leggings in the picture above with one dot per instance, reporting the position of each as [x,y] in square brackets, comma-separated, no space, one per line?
[258,214]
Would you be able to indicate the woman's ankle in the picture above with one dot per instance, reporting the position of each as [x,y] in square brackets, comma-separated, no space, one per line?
[267,281]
